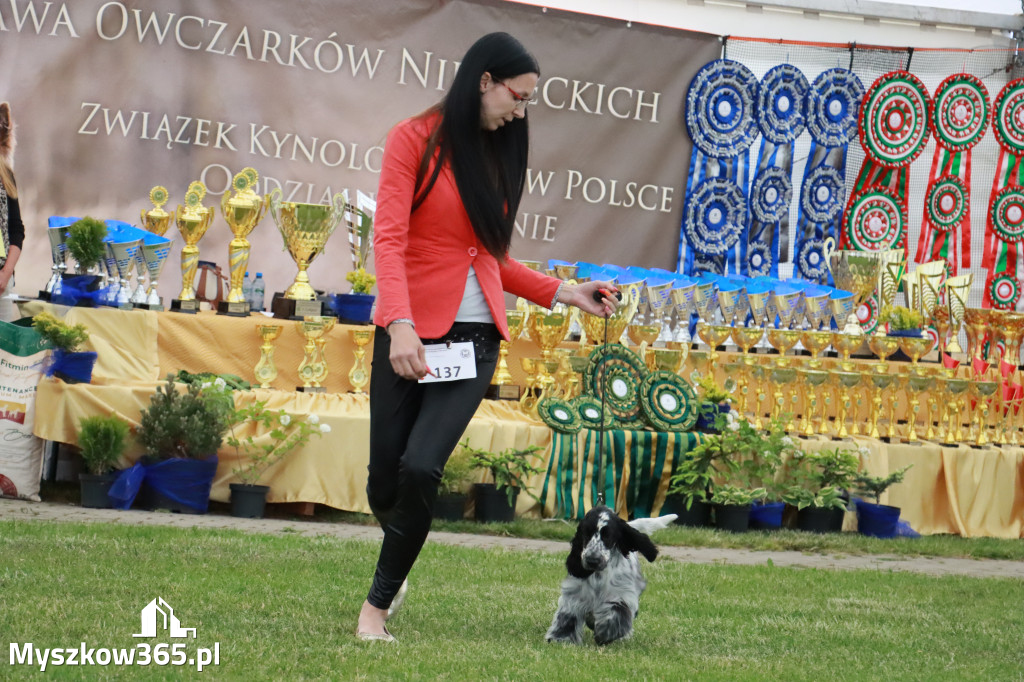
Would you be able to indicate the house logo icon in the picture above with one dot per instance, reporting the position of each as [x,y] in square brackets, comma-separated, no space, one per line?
[158,614]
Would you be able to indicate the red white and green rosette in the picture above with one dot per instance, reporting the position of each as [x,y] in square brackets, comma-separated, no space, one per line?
[894,119]
[1008,117]
[1004,291]
[947,202]
[1008,214]
[868,314]
[874,221]
[961,112]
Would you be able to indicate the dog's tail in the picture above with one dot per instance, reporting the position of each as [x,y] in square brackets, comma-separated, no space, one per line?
[648,526]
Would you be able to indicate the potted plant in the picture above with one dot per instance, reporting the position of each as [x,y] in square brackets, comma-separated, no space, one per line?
[277,435]
[877,519]
[450,504]
[901,321]
[69,363]
[714,400]
[85,244]
[817,485]
[732,506]
[355,307]
[508,470]
[181,432]
[102,440]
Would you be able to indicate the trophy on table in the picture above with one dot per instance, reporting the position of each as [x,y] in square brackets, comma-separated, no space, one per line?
[156,219]
[265,370]
[311,328]
[682,300]
[242,211]
[123,254]
[153,257]
[358,376]
[501,387]
[856,272]
[659,298]
[305,229]
[192,219]
[321,351]
[58,252]
[957,290]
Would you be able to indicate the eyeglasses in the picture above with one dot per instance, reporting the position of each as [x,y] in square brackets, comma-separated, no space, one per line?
[521,101]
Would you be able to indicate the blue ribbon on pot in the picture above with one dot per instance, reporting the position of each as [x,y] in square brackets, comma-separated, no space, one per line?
[184,481]
[78,288]
[75,366]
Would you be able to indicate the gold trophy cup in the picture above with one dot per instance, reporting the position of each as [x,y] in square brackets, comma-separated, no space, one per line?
[242,211]
[501,387]
[305,229]
[156,219]
[311,328]
[192,219]
[265,370]
[358,376]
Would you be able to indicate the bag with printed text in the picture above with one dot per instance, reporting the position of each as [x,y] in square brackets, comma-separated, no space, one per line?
[23,354]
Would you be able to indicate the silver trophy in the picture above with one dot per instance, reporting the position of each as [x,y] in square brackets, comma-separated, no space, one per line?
[138,298]
[58,251]
[155,256]
[123,254]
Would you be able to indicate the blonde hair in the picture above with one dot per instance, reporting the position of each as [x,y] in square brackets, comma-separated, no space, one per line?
[7,180]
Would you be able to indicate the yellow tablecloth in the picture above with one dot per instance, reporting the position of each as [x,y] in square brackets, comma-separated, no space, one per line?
[959,490]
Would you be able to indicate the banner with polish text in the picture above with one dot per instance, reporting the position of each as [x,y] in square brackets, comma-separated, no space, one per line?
[111,98]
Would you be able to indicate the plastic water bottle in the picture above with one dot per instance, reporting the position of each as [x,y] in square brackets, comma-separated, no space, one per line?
[247,289]
[258,288]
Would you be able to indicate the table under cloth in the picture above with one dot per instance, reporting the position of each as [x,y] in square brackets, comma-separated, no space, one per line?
[959,490]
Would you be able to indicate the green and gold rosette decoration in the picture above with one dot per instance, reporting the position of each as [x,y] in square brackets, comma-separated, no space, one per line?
[669,403]
[615,373]
[560,415]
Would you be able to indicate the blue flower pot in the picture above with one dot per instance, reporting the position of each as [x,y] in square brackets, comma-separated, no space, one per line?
[908,333]
[877,520]
[351,308]
[706,422]
[766,516]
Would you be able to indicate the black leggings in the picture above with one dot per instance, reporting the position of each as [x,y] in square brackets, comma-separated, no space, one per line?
[413,430]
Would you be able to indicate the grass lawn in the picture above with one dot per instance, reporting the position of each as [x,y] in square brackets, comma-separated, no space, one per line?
[284,608]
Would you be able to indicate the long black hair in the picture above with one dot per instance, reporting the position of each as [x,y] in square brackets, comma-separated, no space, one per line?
[489,166]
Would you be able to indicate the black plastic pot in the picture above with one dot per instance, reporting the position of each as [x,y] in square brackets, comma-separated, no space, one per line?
[248,501]
[820,519]
[450,506]
[491,504]
[733,517]
[698,515]
[95,488]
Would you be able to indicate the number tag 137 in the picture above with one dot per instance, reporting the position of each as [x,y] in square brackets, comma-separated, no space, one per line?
[450,362]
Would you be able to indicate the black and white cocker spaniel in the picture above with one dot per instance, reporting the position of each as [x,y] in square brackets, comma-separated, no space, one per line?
[603,588]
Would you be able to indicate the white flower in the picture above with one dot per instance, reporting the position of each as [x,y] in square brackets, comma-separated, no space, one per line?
[205,385]
[286,419]
[325,428]
[787,441]
[220,384]
[313,419]
[864,452]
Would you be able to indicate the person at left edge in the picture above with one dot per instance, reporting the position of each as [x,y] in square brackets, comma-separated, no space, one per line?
[10,213]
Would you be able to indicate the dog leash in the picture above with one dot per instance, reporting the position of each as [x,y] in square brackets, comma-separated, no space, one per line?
[600,443]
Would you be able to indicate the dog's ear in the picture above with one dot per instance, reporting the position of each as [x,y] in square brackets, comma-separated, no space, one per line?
[574,562]
[635,541]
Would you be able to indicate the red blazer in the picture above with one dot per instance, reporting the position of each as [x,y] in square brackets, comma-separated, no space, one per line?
[422,261]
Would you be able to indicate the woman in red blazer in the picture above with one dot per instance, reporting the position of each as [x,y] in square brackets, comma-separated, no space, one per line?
[450,184]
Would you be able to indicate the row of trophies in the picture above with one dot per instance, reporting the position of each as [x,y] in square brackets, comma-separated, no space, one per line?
[312,370]
[839,397]
[305,229]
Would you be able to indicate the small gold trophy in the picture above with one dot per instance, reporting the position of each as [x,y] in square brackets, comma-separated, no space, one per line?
[192,219]
[358,376]
[501,387]
[265,370]
[311,328]
[321,350]
[156,219]
[305,229]
[242,211]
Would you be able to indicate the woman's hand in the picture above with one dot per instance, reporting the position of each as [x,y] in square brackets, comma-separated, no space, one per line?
[582,296]
[5,280]
[408,358]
